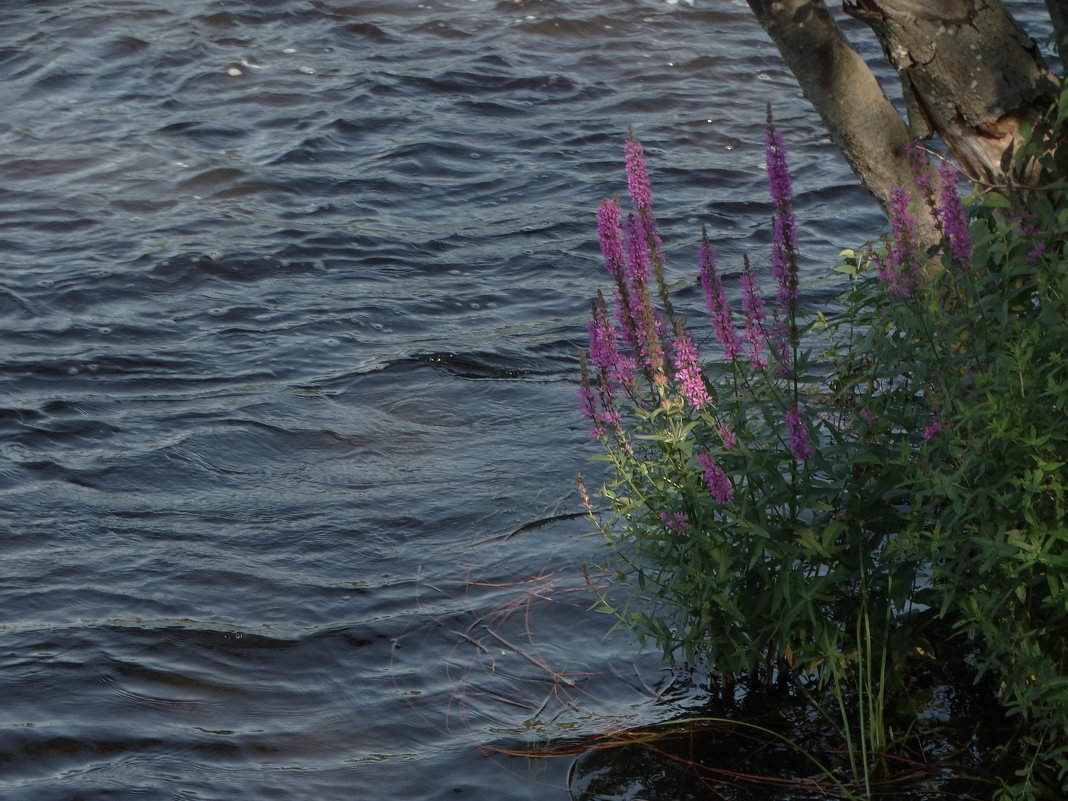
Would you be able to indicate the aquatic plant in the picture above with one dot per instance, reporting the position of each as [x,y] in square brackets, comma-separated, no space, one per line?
[787,516]
[744,548]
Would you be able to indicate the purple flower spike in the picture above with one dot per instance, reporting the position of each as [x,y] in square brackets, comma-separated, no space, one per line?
[719,485]
[800,444]
[781,337]
[638,177]
[932,429]
[645,228]
[900,267]
[644,320]
[676,521]
[687,369]
[719,309]
[952,217]
[784,247]
[590,399]
[921,168]
[614,366]
[778,171]
[610,234]
[638,265]
[729,438]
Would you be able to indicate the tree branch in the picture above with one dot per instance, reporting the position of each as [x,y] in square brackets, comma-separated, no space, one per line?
[836,80]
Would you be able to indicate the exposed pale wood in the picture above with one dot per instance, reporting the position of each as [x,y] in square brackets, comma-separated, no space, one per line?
[969,72]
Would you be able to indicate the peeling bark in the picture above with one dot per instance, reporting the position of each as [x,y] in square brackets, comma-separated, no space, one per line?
[969,74]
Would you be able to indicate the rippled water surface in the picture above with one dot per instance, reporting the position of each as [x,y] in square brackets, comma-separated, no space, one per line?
[291,299]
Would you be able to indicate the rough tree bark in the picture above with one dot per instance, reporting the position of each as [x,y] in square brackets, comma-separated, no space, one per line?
[1058,15]
[843,90]
[969,74]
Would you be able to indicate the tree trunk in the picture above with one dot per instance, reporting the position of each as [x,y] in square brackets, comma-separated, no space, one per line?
[1058,15]
[968,72]
[861,120]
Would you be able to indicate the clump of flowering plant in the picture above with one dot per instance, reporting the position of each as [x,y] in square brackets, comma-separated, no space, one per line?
[783,519]
[976,359]
[736,517]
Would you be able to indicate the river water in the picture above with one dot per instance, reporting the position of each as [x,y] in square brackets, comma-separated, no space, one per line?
[291,298]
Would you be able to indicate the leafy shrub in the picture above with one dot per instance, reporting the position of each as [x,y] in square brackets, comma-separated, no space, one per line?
[784,514]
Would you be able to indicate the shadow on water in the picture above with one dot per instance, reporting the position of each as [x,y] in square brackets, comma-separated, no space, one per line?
[769,744]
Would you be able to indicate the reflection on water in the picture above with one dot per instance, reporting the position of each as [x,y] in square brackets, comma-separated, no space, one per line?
[291,302]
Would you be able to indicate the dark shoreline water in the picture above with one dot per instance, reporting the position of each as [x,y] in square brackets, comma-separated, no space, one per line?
[292,298]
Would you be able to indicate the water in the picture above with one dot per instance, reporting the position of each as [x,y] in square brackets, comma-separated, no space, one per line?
[291,301]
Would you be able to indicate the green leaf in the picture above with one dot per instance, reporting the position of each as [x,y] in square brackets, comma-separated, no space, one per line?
[995,200]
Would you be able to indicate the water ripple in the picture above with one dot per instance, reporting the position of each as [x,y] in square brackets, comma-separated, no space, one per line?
[292,299]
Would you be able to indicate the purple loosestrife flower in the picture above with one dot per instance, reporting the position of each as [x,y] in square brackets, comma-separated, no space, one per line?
[638,175]
[899,267]
[719,310]
[587,395]
[645,327]
[676,521]
[932,429]
[645,225]
[602,336]
[921,168]
[643,261]
[616,367]
[800,444]
[781,337]
[784,246]
[641,193]
[728,437]
[753,306]
[719,485]
[588,399]
[687,369]
[1025,222]
[611,416]
[597,403]
[638,265]
[644,232]
[951,216]
[752,299]
[610,234]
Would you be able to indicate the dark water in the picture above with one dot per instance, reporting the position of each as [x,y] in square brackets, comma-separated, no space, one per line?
[290,300]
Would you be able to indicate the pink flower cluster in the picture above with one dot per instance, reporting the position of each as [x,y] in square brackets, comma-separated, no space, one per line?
[951,216]
[800,443]
[644,344]
[676,521]
[645,340]
[901,266]
[784,225]
[716,479]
